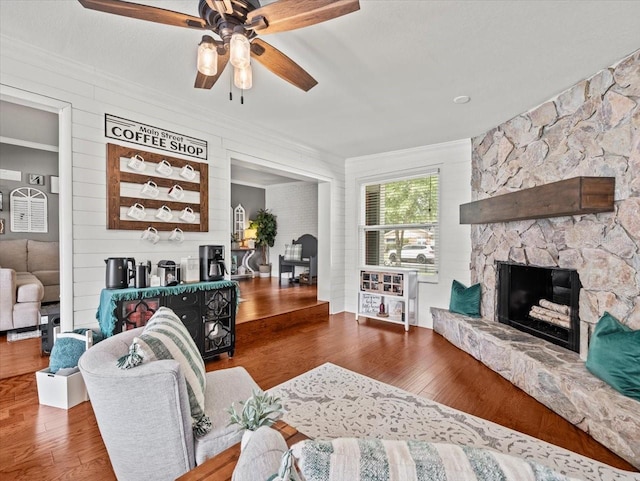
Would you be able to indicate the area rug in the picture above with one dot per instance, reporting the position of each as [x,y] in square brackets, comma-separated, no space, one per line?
[330,401]
[19,336]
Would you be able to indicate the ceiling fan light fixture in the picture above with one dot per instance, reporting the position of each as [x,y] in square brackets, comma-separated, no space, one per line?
[243,77]
[207,56]
[239,50]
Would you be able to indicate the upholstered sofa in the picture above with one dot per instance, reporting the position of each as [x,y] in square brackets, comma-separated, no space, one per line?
[143,413]
[29,275]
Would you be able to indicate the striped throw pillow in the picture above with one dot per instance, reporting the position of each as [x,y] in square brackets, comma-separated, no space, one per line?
[382,460]
[166,337]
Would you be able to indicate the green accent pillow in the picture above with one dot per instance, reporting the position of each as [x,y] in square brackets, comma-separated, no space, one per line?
[465,300]
[166,337]
[65,353]
[614,355]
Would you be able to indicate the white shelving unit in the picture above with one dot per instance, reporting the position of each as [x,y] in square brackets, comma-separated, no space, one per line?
[396,289]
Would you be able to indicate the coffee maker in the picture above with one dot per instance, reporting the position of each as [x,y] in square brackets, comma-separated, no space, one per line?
[212,266]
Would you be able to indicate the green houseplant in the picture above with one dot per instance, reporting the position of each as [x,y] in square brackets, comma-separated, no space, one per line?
[261,409]
[266,226]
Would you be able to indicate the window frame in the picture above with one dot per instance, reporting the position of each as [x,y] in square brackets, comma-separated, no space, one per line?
[364,182]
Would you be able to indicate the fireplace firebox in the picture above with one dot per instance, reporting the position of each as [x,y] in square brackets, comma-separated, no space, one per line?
[540,301]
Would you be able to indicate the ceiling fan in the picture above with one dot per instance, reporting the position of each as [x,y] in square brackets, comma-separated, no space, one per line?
[237,23]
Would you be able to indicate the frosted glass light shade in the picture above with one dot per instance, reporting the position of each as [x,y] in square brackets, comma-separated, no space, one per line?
[207,57]
[239,51]
[243,77]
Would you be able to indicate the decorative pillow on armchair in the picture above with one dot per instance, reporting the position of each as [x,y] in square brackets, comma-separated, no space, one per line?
[366,459]
[465,300]
[166,337]
[293,252]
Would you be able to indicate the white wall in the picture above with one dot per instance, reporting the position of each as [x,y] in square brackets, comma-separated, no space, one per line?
[454,161]
[92,94]
[296,205]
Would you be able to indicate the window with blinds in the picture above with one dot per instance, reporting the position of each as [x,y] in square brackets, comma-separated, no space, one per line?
[400,223]
[28,210]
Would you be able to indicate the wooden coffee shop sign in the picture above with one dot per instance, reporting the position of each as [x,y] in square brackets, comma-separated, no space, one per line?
[142,134]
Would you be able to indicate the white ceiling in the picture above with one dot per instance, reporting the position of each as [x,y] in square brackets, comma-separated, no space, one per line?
[387,74]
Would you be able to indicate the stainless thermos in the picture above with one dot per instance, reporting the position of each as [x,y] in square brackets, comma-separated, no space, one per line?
[143,270]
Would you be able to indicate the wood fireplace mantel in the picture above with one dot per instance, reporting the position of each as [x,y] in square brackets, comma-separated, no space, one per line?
[579,195]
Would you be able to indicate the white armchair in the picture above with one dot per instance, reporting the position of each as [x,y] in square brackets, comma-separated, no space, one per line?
[143,413]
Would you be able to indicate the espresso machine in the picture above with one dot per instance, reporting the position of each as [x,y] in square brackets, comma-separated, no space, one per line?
[212,266]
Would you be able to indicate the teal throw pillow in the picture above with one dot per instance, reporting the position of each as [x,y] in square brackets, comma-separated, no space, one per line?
[65,353]
[614,355]
[465,300]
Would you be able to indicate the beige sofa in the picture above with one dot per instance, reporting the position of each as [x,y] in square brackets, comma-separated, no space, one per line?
[29,275]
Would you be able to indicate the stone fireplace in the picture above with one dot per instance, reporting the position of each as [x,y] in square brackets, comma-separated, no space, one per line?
[540,301]
[591,129]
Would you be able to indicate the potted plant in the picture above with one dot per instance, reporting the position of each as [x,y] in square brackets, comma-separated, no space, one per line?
[235,242]
[266,226]
[261,409]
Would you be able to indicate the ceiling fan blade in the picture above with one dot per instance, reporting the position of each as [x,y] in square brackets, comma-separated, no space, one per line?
[145,12]
[281,65]
[223,7]
[285,15]
[208,81]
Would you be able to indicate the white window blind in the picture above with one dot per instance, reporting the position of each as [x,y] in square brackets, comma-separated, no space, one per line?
[400,223]
[28,210]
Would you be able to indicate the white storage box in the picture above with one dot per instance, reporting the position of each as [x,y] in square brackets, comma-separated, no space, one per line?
[60,391]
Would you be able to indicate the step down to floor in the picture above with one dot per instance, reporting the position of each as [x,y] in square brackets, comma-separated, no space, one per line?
[251,331]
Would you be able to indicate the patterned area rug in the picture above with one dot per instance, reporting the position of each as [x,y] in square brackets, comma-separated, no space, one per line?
[330,402]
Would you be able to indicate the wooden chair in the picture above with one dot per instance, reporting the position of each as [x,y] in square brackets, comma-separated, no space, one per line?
[309,259]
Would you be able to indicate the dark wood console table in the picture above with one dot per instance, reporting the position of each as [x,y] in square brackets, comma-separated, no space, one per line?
[207,309]
[220,467]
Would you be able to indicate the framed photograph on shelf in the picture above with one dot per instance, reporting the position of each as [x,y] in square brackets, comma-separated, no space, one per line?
[396,308]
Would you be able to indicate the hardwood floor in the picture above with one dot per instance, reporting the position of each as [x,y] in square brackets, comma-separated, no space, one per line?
[43,443]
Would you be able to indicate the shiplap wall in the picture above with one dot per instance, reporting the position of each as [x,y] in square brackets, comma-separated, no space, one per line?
[454,161]
[92,94]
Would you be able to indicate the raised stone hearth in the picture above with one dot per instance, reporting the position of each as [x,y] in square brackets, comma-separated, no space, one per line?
[551,374]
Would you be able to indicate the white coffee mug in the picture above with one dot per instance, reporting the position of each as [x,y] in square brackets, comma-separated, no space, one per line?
[150,189]
[187,215]
[176,235]
[136,163]
[188,173]
[151,234]
[176,192]
[164,168]
[136,211]
[164,214]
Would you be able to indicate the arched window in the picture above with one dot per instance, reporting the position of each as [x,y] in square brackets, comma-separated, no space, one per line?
[29,210]
[239,222]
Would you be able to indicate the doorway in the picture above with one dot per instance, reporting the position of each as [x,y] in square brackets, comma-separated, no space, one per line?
[62,110]
[293,196]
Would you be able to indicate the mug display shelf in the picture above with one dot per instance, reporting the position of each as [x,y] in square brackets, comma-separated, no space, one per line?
[395,289]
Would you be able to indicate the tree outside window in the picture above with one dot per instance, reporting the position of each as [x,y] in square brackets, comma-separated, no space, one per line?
[401,223]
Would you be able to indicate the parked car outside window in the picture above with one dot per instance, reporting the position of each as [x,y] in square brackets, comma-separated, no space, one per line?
[422,254]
